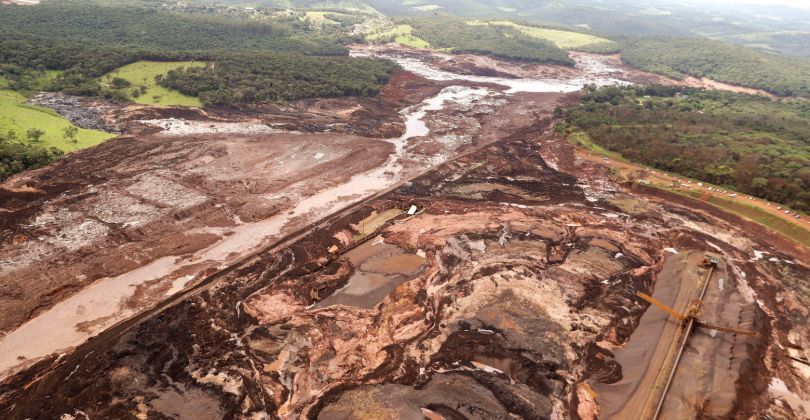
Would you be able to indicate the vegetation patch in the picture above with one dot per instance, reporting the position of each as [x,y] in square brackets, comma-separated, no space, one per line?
[277,57]
[17,116]
[138,82]
[791,230]
[32,137]
[700,57]
[742,142]
[401,34]
[563,39]
[279,77]
[502,42]
[151,28]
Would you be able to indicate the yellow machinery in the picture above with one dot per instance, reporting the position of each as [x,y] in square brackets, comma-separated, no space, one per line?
[692,314]
[689,321]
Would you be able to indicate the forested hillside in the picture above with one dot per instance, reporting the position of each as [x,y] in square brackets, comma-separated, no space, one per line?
[153,28]
[503,42]
[748,143]
[86,40]
[68,45]
[700,57]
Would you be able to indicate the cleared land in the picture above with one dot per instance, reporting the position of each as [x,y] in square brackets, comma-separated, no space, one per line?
[402,35]
[320,17]
[562,39]
[16,115]
[143,73]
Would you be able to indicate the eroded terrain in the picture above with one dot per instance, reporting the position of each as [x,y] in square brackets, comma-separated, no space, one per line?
[265,263]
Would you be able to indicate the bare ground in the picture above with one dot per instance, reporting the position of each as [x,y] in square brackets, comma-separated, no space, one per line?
[507,294]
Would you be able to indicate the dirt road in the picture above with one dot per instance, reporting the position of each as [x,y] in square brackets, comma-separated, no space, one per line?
[658,178]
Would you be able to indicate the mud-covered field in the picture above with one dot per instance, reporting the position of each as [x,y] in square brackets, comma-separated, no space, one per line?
[439,253]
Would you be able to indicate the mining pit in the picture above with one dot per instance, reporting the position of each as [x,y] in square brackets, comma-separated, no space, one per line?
[438,252]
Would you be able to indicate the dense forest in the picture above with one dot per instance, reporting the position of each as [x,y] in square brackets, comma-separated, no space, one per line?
[700,57]
[279,77]
[155,29]
[748,143]
[502,42]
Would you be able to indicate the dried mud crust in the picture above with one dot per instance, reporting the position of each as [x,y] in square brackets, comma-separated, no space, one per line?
[527,283]
[113,208]
[131,200]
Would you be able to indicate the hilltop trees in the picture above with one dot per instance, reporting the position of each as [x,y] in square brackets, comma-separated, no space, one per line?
[748,143]
[701,57]
[501,42]
[17,157]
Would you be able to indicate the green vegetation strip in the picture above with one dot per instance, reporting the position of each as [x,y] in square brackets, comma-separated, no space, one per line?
[745,143]
[700,57]
[502,42]
[790,230]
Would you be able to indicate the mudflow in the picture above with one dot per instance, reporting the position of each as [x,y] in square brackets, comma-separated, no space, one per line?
[266,262]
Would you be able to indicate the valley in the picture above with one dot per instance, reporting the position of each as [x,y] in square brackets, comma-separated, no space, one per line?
[386,209]
[232,259]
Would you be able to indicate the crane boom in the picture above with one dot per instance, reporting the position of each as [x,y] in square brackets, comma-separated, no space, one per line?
[691,315]
[726,329]
[660,305]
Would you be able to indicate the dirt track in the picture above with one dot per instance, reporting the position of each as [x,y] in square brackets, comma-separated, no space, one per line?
[512,284]
[630,170]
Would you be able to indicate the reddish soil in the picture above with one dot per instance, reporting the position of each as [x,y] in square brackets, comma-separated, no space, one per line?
[516,283]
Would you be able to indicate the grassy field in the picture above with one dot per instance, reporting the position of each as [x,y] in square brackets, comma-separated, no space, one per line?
[563,39]
[16,115]
[403,36]
[143,73]
[320,17]
[791,230]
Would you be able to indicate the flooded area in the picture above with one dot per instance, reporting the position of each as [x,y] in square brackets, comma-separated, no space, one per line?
[593,71]
[441,240]
[711,362]
[248,237]
[379,269]
[21,347]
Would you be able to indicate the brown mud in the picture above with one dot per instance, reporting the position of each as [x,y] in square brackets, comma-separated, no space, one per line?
[509,294]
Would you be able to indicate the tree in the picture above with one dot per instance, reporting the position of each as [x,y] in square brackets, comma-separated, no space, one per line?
[69,133]
[11,136]
[34,135]
[120,83]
